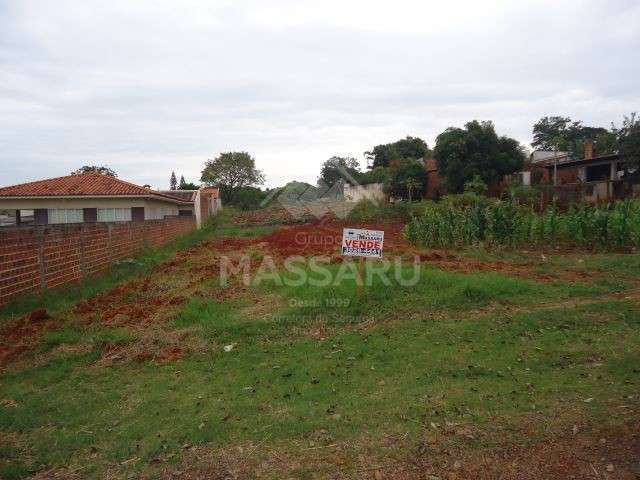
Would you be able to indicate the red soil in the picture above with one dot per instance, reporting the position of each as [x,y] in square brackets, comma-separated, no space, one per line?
[324,238]
[139,303]
[20,336]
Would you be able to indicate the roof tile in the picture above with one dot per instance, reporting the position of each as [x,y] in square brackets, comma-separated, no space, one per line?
[85,184]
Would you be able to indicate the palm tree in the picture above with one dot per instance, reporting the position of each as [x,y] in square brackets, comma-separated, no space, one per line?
[411,184]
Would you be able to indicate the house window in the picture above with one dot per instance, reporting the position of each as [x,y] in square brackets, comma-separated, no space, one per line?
[151,213]
[114,214]
[158,213]
[65,215]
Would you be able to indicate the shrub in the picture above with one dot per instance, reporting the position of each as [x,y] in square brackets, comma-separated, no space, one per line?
[368,211]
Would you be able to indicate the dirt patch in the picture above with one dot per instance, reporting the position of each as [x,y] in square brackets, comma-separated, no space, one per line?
[316,238]
[133,304]
[139,303]
[202,462]
[323,238]
[263,305]
[22,335]
[612,454]
[155,343]
[615,455]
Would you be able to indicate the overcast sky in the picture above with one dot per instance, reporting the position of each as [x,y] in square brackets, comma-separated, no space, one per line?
[150,87]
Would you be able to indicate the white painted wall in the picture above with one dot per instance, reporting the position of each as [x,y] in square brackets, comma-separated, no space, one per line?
[68,210]
[372,191]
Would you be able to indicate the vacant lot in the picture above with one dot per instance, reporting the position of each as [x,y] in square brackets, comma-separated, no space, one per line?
[507,364]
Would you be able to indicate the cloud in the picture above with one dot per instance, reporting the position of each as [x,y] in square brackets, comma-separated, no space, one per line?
[150,87]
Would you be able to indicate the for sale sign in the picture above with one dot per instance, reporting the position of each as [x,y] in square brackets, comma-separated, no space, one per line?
[362,243]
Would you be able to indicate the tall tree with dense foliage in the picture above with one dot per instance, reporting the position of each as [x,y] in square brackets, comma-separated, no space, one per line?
[101,169]
[410,147]
[563,134]
[628,140]
[337,170]
[553,133]
[406,178]
[182,182]
[173,181]
[476,150]
[230,171]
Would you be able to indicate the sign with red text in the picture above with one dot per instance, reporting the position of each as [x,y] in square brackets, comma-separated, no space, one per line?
[362,243]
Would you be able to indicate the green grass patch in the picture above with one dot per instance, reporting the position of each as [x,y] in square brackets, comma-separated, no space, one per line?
[392,378]
[71,334]
[434,290]
[472,349]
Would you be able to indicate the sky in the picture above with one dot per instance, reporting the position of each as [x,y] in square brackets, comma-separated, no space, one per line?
[148,87]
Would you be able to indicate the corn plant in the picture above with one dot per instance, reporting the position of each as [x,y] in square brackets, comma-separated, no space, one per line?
[505,223]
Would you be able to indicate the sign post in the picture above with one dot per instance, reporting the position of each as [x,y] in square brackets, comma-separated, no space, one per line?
[363,244]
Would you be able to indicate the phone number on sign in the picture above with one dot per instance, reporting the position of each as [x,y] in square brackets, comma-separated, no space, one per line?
[362,251]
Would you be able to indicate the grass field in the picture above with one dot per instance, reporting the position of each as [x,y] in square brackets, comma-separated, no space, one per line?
[504,364]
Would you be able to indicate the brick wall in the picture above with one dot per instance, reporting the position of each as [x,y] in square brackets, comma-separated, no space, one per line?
[41,257]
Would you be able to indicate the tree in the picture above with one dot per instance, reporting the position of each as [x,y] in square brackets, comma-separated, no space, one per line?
[463,153]
[248,198]
[173,181]
[184,185]
[375,175]
[628,140]
[230,171]
[410,147]
[411,184]
[336,171]
[102,170]
[563,134]
[552,133]
[406,177]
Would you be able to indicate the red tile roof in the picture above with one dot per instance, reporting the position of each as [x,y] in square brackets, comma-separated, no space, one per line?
[81,185]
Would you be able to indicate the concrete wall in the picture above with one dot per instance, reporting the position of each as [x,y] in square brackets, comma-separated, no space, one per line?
[372,191]
[207,203]
[36,258]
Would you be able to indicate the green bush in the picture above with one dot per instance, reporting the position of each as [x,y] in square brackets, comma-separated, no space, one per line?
[368,211]
[464,220]
[247,198]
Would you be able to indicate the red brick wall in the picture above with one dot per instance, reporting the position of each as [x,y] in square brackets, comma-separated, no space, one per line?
[41,257]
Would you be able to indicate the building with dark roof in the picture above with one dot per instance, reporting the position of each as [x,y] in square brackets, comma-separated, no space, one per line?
[594,178]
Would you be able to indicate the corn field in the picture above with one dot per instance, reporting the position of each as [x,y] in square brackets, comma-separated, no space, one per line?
[505,223]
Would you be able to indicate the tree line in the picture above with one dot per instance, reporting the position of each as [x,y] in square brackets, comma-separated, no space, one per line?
[468,158]
[182,185]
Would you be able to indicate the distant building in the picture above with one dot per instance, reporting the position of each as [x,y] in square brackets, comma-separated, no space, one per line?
[92,197]
[592,179]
